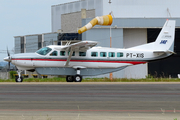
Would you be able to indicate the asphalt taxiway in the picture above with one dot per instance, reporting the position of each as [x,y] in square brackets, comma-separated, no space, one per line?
[96,101]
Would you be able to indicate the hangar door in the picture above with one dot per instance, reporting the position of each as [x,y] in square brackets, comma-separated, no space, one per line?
[169,67]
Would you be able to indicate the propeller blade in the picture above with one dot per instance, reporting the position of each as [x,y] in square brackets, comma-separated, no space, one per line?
[8,52]
[9,65]
[9,58]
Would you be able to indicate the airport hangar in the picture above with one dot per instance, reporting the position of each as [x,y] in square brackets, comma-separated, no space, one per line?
[135,22]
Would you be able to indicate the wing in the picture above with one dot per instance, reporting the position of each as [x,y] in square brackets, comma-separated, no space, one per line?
[80,46]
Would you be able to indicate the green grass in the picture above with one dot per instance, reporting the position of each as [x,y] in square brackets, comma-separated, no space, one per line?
[131,80]
[96,80]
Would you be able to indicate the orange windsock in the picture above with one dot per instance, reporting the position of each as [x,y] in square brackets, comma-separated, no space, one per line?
[103,20]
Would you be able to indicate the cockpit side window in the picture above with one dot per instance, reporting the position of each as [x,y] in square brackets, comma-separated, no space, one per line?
[44,51]
[54,53]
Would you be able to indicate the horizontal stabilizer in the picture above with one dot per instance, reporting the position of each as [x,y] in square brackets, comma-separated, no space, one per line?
[167,51]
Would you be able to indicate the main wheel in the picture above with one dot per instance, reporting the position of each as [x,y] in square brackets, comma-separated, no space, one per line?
[19,79]
[69,78]
[78,78]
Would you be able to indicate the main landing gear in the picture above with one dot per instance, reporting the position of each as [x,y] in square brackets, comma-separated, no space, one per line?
[76,78]
[19,78]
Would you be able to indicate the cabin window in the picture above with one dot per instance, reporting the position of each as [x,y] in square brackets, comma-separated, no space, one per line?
[103,54]
[72,54]
[111,54]
[62,53]
[82,53]
[54,53]
[119,54]
[44,51]
[94,54]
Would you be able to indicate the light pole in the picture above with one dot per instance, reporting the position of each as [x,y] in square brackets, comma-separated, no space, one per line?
[111,74]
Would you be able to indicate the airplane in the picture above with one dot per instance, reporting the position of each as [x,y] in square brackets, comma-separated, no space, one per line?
[84,59]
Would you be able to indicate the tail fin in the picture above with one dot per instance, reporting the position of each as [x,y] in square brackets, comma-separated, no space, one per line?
[164,41]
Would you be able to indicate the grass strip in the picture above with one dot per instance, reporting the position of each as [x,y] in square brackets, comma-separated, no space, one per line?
[55,79]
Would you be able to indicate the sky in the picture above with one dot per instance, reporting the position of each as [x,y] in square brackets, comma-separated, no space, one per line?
[24,17]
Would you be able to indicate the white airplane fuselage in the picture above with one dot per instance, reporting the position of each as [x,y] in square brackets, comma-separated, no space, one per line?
[30,61]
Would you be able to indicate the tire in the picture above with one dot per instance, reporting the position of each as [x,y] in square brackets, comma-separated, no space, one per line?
[69,78]
[78,78]
[19,79]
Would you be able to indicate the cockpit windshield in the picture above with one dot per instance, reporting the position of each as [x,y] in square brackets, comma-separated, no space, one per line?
[44,51]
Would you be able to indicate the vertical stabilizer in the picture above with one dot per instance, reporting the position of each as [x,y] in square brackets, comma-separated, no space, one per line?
[165,40]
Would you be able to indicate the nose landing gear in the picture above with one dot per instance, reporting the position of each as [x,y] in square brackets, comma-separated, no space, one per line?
[19,78]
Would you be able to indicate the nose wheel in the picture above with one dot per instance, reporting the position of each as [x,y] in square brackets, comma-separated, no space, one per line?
[19,78]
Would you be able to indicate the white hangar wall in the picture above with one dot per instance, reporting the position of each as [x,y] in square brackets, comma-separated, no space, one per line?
[142,8]
[134,37]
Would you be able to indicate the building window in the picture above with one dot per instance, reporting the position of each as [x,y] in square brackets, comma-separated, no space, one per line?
[94,54]
[54,53]
[22,44]
[39,45]
[62,53]
[111,54]
[82,53]
[103,54]
[119,54]
[39,41]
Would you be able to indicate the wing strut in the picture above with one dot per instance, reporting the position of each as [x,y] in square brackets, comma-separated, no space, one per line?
[69,58]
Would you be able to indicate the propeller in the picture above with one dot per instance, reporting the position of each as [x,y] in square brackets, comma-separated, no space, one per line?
[9,58]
